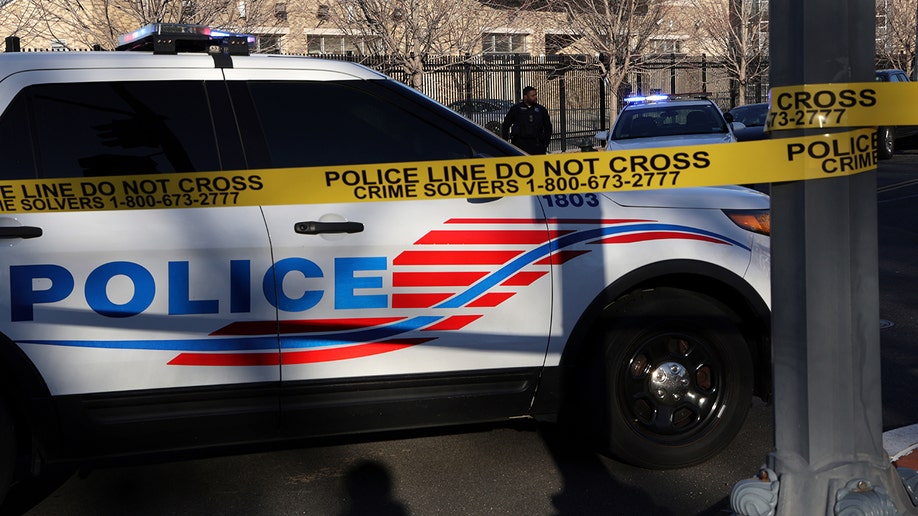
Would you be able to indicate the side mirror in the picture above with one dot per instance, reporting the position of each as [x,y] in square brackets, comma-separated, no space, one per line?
[602,135]
[737,125]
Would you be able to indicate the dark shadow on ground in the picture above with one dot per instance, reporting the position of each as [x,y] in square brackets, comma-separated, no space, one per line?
[369,491]
[588,486]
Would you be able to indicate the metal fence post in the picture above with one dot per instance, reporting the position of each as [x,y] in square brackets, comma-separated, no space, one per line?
[672,73]
[704,73]
[12,44]
[603,108]
[518,76]
[562,93]
[468,76]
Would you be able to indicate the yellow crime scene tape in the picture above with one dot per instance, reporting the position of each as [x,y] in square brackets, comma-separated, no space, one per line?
[766,161]
[823,106]
[835,155]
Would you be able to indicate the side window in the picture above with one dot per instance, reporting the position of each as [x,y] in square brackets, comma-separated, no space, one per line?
[104,128]
[15,144]
[336,123]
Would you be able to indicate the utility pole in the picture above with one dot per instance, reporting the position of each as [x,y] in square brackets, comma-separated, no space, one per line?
[828,457]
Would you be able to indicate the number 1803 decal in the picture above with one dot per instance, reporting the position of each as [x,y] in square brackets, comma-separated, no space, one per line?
[571,200]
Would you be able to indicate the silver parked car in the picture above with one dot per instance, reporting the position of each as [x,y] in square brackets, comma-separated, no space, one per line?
[488,113]
[753,116]
[888,137]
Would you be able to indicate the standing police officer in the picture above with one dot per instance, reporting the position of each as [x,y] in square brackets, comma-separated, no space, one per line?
[527,124]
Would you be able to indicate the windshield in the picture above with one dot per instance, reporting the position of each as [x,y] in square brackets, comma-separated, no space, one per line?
[668,120]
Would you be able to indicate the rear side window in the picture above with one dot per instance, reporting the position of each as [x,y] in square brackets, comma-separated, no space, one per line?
[15,143]
[114,128]
[336,123]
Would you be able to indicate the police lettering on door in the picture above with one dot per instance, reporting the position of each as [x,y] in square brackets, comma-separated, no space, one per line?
[32,286]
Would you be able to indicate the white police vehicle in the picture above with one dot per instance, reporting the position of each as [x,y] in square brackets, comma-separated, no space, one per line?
[644,316]
[668,120]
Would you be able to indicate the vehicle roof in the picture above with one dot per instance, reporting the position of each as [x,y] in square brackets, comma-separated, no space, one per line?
[669,103]
[757,105]
[13,62]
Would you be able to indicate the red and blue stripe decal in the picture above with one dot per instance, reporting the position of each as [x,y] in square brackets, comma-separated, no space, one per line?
[501,276]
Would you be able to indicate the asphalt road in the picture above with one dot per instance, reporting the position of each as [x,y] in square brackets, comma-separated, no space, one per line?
[515,469]
[897,233]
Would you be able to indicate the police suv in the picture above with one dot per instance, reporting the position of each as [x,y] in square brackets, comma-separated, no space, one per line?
[180,320]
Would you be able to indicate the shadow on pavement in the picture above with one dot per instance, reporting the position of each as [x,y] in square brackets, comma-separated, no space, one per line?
[588,486]
[27,494]
[368,488]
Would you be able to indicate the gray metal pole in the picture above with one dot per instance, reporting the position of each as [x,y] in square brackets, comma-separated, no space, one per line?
[829,455]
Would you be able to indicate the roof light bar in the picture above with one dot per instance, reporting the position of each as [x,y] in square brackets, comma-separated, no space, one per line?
[171,38]
[646,98]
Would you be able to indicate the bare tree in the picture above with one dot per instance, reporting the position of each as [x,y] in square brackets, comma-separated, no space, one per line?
[409,31]
[88,23]
[735,32]
[18,18]
[896,33]
[617,30]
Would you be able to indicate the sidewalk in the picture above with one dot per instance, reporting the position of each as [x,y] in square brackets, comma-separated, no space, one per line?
[902,446]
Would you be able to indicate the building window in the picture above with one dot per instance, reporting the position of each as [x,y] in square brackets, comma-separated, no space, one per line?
[268,43]
[241,8]
[503,43]
[323,13]
[340,44]
[280,11]
[188,9]
[666,46]
[352,15]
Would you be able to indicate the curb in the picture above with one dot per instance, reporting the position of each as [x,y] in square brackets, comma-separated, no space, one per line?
[901,444]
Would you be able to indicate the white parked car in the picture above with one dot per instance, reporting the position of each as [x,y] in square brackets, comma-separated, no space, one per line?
[646,314]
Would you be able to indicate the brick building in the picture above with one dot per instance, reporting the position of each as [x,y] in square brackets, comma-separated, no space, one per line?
[326,27]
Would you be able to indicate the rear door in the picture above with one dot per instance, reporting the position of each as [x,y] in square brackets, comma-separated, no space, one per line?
[154,300]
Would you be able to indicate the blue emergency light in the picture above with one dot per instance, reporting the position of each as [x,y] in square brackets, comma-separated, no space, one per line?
[171,38]
[646,98]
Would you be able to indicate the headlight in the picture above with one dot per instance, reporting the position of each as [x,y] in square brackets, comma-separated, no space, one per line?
[757,221]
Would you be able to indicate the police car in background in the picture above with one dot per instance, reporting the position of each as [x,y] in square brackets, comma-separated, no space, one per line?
[668,120]
[643,316]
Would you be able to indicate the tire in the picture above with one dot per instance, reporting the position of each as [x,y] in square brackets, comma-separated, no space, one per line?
[674,382]
[7,450]
[886,142]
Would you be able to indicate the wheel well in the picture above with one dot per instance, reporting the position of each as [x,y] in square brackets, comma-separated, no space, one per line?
[23,391]
[746,308]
